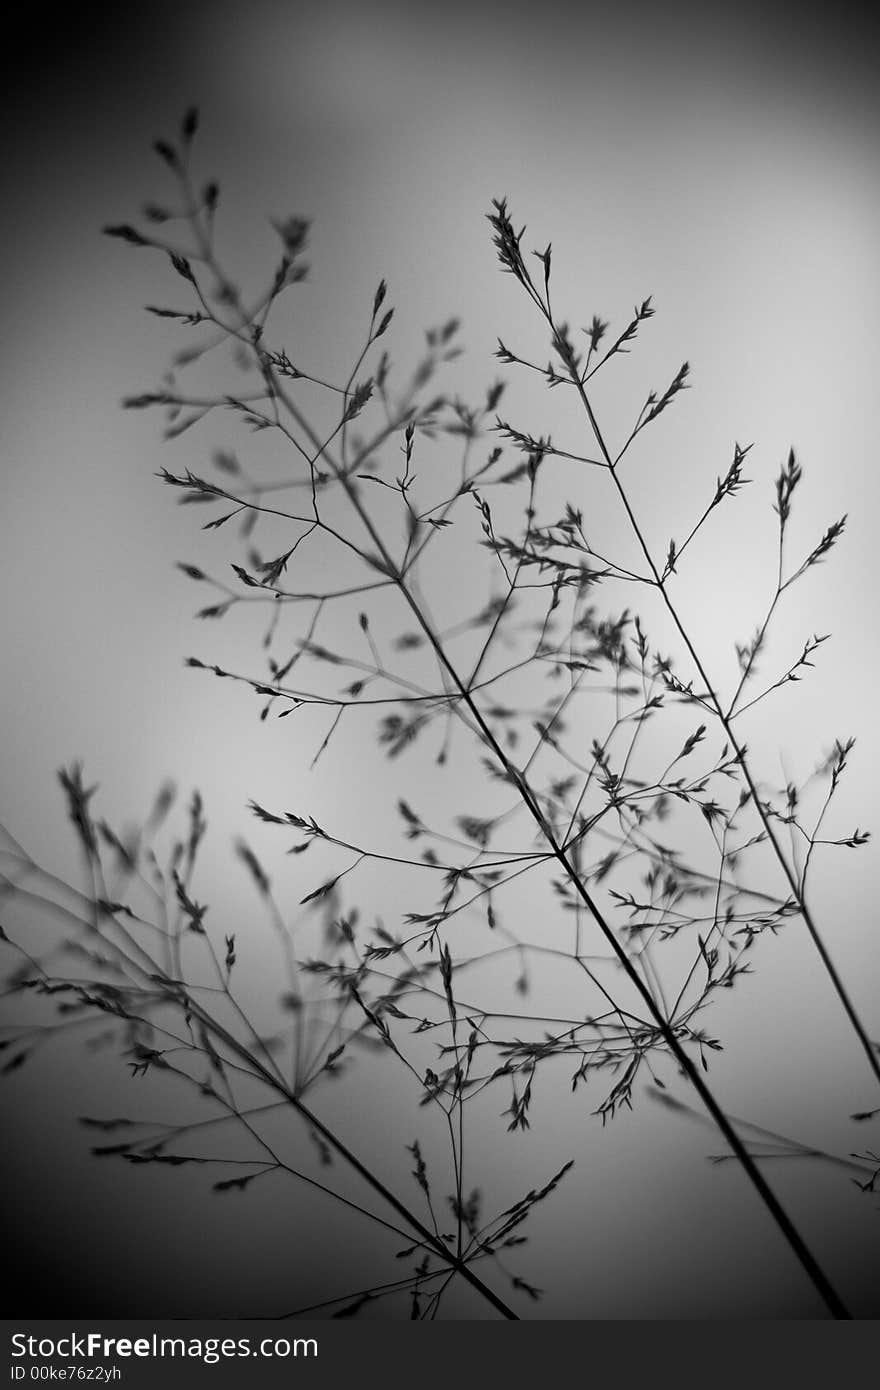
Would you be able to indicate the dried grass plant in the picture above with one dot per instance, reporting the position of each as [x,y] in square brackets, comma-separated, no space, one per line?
[613,776]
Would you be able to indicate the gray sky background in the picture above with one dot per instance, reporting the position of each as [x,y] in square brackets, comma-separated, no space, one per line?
[720,160]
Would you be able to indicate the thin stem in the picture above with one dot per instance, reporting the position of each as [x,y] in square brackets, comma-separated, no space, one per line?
[726,723]
[779,1215]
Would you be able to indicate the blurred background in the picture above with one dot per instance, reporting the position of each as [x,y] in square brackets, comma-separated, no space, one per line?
[723,161]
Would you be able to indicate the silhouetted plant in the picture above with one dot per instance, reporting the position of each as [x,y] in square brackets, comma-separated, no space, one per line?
[641,825]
